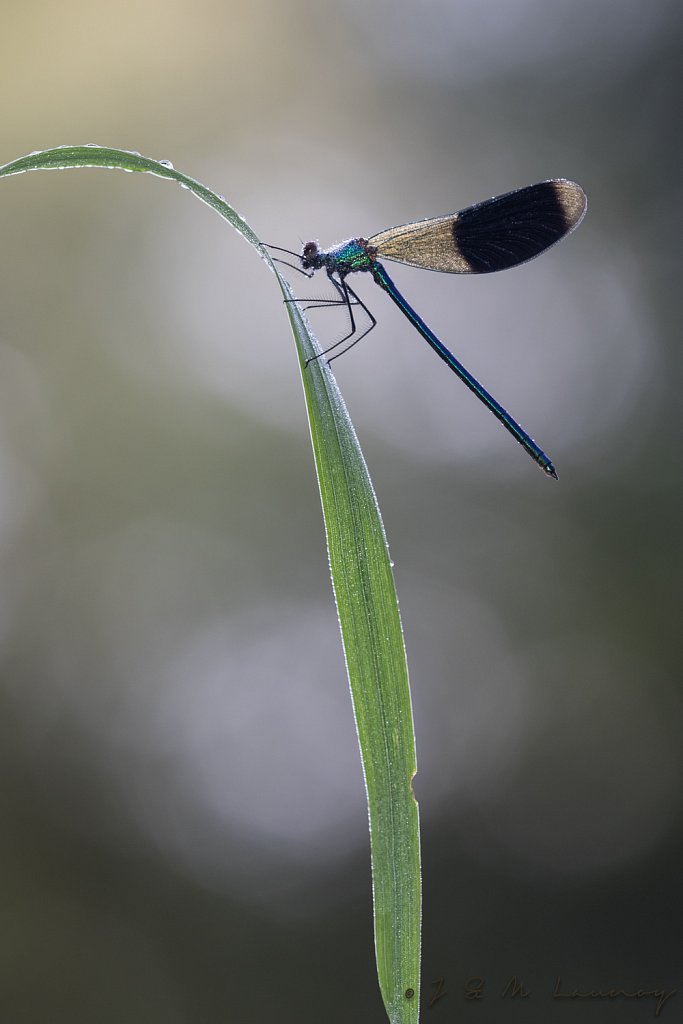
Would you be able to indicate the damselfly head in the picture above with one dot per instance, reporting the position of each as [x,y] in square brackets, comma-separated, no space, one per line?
[310,256]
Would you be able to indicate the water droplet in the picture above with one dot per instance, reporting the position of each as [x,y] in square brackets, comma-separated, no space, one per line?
[166,163]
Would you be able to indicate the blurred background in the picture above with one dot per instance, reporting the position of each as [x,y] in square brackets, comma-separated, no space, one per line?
[184,832]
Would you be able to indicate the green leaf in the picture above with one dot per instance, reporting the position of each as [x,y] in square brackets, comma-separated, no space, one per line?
[368,614]
[378,675]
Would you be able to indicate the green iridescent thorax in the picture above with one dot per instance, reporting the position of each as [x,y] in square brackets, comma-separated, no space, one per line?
[351,255]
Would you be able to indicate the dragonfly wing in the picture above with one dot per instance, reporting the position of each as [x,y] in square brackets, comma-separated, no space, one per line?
[494,235]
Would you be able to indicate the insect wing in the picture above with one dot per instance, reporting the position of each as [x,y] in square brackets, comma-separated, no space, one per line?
[493,235]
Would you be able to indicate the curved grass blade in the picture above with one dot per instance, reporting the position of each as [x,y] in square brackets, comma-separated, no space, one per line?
[368,615]
[63,157]
[378,676]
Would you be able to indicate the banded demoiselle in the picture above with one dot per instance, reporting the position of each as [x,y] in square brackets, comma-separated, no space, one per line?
[493,235]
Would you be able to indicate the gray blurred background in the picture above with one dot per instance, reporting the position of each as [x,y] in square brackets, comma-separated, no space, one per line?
[184,833]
